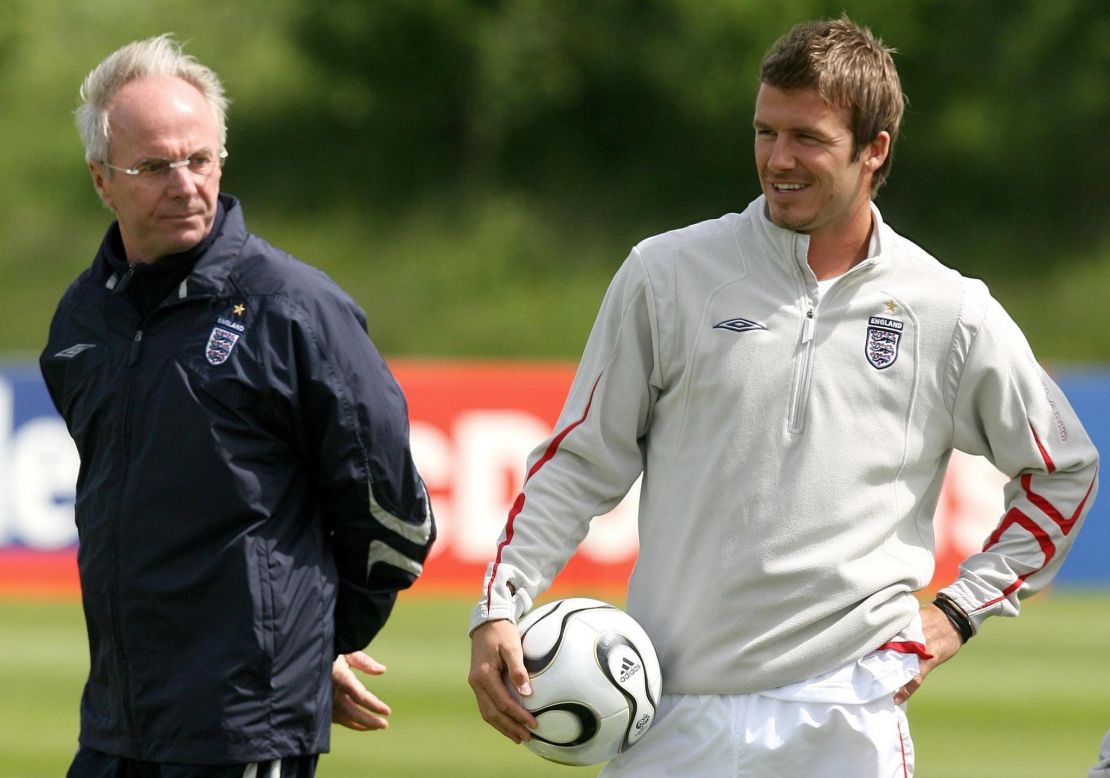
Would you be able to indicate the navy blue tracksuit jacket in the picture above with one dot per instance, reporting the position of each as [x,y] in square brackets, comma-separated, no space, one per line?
[247,505]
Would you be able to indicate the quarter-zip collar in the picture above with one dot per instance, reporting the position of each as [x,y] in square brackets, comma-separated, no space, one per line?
[790,249]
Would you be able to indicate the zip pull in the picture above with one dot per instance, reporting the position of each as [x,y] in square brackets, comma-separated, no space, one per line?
[136,347]
[117,284]
[808,326]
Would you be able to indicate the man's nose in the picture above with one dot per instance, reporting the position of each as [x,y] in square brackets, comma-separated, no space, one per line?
[181,180]
[782,156]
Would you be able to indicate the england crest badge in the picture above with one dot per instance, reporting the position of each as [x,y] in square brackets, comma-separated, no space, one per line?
[883,337]
[220,343]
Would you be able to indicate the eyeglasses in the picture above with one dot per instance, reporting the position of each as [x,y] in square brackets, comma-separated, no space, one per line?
[200,163]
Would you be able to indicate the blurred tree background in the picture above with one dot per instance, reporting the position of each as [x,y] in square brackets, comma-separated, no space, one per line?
[473,171]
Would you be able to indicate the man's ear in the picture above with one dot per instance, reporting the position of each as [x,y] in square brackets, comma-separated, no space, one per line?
[98,173]
[875,153]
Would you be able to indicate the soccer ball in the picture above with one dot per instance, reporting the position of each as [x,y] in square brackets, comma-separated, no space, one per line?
[595,680]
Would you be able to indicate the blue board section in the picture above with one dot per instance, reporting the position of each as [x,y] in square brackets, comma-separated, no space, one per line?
[1087,564]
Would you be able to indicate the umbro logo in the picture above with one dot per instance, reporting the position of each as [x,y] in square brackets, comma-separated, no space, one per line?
[628,669]
[738,325]
[74,350]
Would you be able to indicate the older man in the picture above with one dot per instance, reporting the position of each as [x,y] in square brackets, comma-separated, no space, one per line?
[247,504]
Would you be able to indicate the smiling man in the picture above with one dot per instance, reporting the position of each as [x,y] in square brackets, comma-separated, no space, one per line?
[247,505]
[814,178]
[790,382]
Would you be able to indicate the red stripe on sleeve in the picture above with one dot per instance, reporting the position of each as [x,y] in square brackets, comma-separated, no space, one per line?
[1050,510]
[1048,549]
[1044,454]
[1015,516]
[518,505]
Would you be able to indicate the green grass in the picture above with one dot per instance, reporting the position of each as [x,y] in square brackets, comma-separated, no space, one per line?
[1028,698]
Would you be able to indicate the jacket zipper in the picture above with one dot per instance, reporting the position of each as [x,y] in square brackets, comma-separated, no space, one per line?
[136,348]
[117,628]
[799,397]
[800,393]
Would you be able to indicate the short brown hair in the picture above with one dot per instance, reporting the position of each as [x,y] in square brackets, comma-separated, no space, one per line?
[850,69]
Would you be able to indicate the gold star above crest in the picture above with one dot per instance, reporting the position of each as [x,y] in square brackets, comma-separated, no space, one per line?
[239,309]
[891,306]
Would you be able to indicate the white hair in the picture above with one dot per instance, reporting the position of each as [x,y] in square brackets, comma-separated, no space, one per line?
[158,56]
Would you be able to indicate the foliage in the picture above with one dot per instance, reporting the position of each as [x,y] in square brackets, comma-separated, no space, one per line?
[639,111]
[509,152]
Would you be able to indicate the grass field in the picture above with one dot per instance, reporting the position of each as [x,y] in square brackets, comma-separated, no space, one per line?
[1029,698]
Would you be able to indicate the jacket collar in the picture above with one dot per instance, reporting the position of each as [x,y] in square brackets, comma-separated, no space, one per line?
[214,270]
[790,249]
[211,275]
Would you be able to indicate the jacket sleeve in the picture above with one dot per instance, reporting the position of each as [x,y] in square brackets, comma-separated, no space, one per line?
[593,457]
[370,495]
[1009,410]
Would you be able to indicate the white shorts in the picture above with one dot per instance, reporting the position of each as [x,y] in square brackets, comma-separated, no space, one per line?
[842,723]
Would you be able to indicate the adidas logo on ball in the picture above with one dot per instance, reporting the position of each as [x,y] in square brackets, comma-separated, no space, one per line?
[628,669]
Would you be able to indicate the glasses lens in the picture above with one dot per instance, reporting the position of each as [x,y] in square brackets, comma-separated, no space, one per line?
[153,168]
[202,163]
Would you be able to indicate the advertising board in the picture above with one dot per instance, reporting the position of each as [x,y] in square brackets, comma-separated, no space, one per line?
[473,426]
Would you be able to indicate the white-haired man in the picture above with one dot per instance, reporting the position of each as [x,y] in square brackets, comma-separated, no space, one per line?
[247,504]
